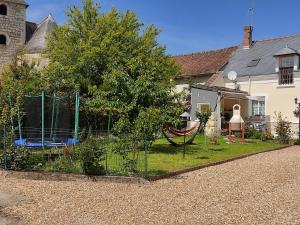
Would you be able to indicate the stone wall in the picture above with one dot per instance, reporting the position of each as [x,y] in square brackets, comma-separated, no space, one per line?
[13,27]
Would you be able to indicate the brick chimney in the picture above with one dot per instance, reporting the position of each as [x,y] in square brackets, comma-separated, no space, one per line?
[247,37]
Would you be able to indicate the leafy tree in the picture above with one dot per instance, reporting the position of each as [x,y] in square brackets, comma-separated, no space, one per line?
[119,66]
[19,79]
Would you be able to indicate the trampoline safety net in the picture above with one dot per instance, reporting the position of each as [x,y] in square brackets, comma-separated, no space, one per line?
[48,121]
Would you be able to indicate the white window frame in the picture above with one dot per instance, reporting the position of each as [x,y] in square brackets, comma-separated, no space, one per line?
[259,106]
[286,63]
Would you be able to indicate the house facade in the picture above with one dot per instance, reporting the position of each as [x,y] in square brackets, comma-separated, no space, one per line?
[268,76]
[17,34]
[269,71]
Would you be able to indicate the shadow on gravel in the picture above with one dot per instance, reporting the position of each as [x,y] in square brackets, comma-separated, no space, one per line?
[7,200]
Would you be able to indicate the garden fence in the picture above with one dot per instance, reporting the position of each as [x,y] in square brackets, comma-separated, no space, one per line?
[122,155]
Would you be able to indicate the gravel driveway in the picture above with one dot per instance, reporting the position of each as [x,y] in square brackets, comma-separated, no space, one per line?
[261,189]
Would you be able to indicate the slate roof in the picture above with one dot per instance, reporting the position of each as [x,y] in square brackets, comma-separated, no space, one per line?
[203,63]
[30,28]
[265,51]
[286,51]
[37,42]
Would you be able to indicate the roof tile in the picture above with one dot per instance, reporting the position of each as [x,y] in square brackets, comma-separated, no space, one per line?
[197,64]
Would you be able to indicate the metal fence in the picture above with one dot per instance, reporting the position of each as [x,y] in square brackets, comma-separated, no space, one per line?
[122,155]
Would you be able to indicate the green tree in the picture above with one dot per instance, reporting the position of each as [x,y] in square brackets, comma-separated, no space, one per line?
[19,79]
[118,64]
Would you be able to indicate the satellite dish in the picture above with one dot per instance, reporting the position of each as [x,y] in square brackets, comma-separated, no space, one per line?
[232,75]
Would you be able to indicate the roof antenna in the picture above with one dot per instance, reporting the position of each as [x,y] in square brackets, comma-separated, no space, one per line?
[251,12]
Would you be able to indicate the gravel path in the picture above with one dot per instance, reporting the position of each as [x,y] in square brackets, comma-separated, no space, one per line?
[262,189]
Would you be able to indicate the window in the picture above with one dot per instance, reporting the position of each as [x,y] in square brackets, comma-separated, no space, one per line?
[3,40]
[286,69]
[286,62]
[258,107]
[203,107]
[253,63]
[3,10]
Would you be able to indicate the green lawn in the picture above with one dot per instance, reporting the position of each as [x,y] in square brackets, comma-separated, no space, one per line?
[164,158]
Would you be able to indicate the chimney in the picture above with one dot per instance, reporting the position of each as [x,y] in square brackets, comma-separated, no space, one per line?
[247,37]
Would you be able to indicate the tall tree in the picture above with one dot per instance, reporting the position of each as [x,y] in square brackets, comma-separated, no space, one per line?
[118,64]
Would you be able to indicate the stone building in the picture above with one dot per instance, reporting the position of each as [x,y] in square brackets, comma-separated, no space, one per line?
[16,33]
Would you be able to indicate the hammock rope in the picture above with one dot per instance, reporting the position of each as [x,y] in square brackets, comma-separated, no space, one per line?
[190,141]
[182,132]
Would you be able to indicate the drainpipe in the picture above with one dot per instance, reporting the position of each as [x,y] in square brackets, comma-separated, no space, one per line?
[249,101]
[249,85]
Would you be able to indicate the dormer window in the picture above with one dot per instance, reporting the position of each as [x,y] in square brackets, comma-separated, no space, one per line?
[3,39]
[287,62]
[286,70]
[3,10]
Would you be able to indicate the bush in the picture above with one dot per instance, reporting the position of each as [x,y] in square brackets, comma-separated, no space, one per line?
[257,135]
[91,155]
[128,148]
[297,142]
[282,129]
[250,132]
[63,164]
[23,159]
[266,136]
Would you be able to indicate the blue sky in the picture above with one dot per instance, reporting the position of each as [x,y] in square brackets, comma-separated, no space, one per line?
[193,25]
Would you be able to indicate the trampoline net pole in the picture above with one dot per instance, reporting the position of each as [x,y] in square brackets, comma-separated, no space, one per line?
[57,106]
[43,119]
[11,118]
[77,102]
[52,116]
[19,125]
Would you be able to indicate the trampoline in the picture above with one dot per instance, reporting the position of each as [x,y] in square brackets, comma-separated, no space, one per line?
[48,121]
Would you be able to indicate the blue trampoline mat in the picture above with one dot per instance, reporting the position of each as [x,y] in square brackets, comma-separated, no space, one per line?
[37,143]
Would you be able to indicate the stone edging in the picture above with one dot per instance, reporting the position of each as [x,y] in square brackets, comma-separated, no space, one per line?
[179,172]
[48,176]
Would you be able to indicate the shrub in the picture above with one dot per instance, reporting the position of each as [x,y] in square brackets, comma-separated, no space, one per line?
[282,129]
[63,164]
[91,155]
[128,148]
[257,135]
[23,159]
[265,136]
[250,132]
[297,142]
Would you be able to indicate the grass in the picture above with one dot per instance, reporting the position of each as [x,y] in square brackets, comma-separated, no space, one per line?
[165,158]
